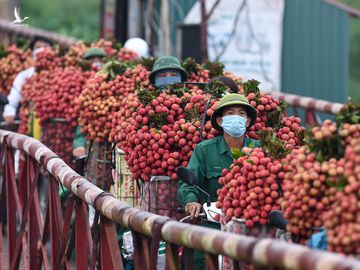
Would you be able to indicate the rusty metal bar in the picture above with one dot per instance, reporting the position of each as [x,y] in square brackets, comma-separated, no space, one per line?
[172,257]
[10,204]
[212,262]
[310,117]
[33,233]
[33,175]
[353,12]
[55,219]
[141,252]
[2,204]
[65,233]
[87,227]
[44,232]
[307,102]
[96,237]
[264,252]
[109,248]
[81,241]
[311,106]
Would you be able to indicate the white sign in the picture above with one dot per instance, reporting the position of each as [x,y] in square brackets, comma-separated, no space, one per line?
[246,35]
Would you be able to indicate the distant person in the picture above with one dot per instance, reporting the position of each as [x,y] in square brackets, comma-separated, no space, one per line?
[139,46]
[37,44]
[94,56]
[167,70]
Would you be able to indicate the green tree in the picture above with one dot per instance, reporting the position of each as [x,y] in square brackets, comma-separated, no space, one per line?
[354,85]
[76,18]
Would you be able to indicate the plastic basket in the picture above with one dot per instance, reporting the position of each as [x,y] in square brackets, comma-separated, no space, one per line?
[124,188]
[159,196]
[238,226]
[99,165]
[59,136]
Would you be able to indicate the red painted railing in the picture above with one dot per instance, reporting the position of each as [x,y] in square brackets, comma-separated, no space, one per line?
[30,235]
[310,105]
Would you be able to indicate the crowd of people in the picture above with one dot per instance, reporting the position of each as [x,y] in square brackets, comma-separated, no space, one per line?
[233,116]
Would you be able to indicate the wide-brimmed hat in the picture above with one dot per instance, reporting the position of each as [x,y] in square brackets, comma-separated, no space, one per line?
[94,52]
[230,100]
[167,62]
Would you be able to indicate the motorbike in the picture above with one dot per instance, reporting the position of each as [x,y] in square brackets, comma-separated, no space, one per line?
[209,210]
[317,241]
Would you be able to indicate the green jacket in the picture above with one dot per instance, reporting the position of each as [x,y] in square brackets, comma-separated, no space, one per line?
[207,162]
[80,140]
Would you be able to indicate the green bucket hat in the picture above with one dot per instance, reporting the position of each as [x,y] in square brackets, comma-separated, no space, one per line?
[94,52]
[229,100]
[167,62]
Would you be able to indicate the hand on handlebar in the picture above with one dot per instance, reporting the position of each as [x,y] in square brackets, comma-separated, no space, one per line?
[9,119]
[79,151]
[193,209]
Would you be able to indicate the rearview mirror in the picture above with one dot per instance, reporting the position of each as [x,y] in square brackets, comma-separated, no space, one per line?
[187,176]
[277,220]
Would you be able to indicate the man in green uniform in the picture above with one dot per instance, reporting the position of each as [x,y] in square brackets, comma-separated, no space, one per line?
[167,70]
[232,117]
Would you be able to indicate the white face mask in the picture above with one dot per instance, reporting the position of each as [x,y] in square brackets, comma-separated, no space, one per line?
[97,65]
[234,125]
[36,51]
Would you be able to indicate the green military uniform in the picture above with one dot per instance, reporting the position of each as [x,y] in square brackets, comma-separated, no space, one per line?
[94,52]
[209,159]
[165,63]
[207,162]
[80,140]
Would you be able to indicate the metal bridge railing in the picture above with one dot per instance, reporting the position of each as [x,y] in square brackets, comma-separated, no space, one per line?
[311,106]
[30,234]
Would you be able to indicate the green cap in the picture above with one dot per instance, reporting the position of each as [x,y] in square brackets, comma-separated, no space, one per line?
[94,52]
[167,62]
[230,100]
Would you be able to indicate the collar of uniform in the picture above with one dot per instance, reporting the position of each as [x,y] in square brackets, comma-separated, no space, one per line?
[246,142]
[223,147]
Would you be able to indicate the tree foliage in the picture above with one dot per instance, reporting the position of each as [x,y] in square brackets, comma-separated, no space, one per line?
[76,18]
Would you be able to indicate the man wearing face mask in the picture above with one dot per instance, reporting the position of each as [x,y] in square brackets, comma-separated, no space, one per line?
[94,57]
[232,117]
[167,70]
[37,44]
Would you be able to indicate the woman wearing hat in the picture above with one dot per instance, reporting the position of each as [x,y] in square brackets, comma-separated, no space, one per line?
[232,117]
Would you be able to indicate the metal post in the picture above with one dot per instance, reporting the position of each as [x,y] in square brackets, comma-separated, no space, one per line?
[109,249]
[10,204]
[81,241]
[204,50]
[165,21]
[149,29]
